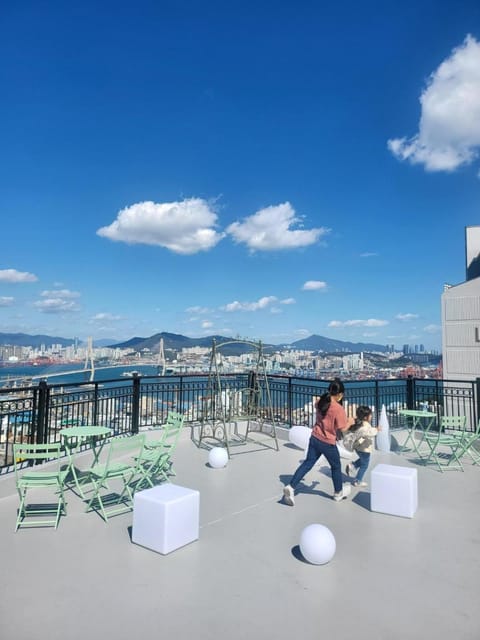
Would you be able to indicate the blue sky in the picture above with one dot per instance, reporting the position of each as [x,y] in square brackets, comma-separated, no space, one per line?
[262,169]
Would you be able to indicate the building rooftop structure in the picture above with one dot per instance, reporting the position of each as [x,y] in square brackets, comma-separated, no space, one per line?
[391,577]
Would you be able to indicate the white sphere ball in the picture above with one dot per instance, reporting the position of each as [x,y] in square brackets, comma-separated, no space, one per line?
[217,457]
[317,544]
[299,436]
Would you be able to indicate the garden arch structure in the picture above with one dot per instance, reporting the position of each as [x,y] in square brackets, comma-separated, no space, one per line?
[227,404]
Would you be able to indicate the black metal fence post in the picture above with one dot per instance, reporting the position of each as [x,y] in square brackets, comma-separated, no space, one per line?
[42,412]
[95,404]
[410,392]
[289,401]
[135,403]
[180,396]
[377,402]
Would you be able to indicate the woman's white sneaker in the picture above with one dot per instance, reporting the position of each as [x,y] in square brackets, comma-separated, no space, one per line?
[288,495]
[343,494]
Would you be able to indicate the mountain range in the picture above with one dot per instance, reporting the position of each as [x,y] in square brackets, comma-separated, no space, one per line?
[36,341]
[176,342]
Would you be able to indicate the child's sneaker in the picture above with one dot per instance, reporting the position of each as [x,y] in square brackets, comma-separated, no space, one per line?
[350,470]
[288,495]
[360,484]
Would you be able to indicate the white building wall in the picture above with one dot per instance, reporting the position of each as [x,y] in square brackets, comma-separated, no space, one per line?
[461,331]
[461,346]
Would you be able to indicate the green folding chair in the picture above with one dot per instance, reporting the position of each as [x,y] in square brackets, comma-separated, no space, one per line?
[155,466]
[468,445]
[170,431]
[446,445]
[48,476]
[169,438]
[122,464]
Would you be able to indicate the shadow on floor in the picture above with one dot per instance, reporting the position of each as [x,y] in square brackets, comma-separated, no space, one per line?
[362,498]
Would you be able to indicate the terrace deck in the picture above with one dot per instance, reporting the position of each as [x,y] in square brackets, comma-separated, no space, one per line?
[391,578]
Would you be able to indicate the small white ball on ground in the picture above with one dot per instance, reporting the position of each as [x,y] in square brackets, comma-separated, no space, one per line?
[217,457]
[317,544]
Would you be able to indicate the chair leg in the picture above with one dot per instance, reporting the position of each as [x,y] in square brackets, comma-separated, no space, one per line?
[126,487]
[96,496]
[21,509]
[474,454]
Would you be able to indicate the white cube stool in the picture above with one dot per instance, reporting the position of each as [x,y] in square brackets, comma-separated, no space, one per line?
[394,490]
[166,517]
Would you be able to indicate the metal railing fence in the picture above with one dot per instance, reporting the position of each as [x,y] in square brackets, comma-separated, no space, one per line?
[38,413]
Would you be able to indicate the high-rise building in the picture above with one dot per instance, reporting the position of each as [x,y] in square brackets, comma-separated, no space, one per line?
[461,318]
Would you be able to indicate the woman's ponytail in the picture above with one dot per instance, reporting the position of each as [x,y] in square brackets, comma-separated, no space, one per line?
[324,403]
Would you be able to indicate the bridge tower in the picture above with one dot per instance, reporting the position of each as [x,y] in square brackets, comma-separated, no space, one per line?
[89,358]
[161,359]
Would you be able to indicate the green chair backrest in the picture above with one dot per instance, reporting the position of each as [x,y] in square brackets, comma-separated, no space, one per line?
[122,447]
[448,423]
[172,428]
[25,452]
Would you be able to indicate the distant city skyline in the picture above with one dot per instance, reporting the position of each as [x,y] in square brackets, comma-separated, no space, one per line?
[196,169]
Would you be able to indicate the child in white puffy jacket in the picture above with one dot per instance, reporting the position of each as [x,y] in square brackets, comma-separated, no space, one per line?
[363,445]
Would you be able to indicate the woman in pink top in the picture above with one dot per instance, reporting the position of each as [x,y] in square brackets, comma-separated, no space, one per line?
[331,416]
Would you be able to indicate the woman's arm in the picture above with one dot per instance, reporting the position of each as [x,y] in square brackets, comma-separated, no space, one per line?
[342,422]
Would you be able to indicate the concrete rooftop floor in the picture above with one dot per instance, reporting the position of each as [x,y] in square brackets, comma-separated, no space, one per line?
[391,577]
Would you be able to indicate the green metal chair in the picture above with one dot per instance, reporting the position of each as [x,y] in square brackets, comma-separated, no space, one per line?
[123,464]
[467,446]
[446,444]
[170,431]
[48,476]
[155,465]
[169,437]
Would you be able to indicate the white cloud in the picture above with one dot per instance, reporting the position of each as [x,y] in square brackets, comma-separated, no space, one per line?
[271,228]
[197,310]
[288,301]
[314,285]
[6,301]
[12,275]
[56,305]
[207,325]
[60,293]
[371,322]
[262,303]
[59,301]
[449,128]
[368,254]
[432,328]
[185,227]
[406,317]
[101,317]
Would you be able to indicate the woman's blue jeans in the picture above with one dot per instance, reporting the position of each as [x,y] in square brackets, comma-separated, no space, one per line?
[361,464]
[317,448]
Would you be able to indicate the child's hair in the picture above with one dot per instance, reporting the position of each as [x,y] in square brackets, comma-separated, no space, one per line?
[363,413]
[334,389]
